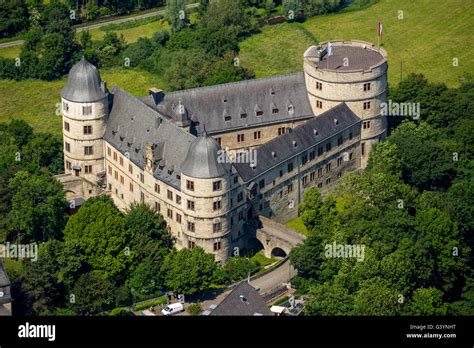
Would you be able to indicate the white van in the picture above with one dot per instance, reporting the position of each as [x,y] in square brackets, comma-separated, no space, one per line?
[172,309]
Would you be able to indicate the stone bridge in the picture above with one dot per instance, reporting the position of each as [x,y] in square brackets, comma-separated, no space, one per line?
[276,239]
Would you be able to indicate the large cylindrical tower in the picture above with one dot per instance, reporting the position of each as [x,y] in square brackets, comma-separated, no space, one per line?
[85,107]
[205,187]
[354,73]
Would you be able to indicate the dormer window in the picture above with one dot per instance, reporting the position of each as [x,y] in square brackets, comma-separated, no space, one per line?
[291,109]
[315,132]
[294,143]
[227,118]
[272,92]
[336,122]
[275,111]
[259,113]
[243,115]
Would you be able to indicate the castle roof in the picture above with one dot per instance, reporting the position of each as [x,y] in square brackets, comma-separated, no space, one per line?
[239,104]
[202,160]
[299,139]
[131,125]
[84,84]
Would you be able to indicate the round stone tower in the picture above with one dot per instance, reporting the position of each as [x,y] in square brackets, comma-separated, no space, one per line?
[85,107]
[205,187]
[354,72]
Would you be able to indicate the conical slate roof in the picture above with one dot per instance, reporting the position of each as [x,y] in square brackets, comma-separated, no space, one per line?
[83,84]
[203,160]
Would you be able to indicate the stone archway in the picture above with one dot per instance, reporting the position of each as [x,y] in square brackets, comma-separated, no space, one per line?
[278,252]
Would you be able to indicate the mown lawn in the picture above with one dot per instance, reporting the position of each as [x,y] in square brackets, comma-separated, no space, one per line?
[431,34]
[10,52]
[36,101]
[132,34]
[298,225]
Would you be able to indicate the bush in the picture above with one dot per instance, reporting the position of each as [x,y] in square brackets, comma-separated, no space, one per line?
[195,309]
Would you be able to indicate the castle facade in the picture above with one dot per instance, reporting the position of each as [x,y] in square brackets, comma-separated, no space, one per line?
[211,159]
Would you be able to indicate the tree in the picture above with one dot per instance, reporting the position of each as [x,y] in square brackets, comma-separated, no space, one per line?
[427,302]
[376,297]
[38,206]
[146,279]
[176,14]
[237,268]
[189,271]
[92,293]
[98,226]
[13,17]
[329,299]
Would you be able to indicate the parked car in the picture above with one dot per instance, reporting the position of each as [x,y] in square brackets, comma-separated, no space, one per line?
[172,309]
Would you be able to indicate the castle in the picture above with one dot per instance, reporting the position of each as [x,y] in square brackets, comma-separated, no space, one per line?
[210,159]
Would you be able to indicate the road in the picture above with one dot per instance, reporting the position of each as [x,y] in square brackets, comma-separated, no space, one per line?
[275,278]
[98,25]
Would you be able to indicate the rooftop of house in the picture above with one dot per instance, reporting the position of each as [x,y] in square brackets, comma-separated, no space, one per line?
[244,299]
[238,104]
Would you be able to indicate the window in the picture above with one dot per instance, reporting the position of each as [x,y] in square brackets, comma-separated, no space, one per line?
[178,199]
[366,105]
[366,124]
[320,172]
[142,197]
[130,168]
[69,165]
[259,113]
[169,213]
[319,104]
[240,197]
[88,169]
[243,115]
[191,226]
[281,130]
[363,149]
[216,227]
[320,151]
[366,87]
[350,156]
[216,185]
[290,167]
[65,106]
[66,126]
[115,156]
[311,176]
[339,174]
[190,185]
[320,184]
[216,205]
[88,150]
[131,187]
[290,188]
[86,110]
[304,159]
[217,246]
[121,161]
[339,161]
[169,194]
[275,111]
[319,85]
[304,180]
[157,188]
[67,146]
[256,135]
[116,175]
[236,179]
[191,244]
[157,206]
[241,215]
[240,138]
[87,129]
[312,155]
[328,181]
[122,180]
[339,140]
[178,218]
[350,136]
[142,177]
[110,170]
[328,147]
[191,205]
[281,173]
[328,167]
[261,184]
[109,151]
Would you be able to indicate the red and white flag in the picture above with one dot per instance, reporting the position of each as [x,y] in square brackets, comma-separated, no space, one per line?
[379,32]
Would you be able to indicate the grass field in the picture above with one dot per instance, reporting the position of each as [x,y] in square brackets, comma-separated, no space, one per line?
[132,34]
[298,225]
[35,101]
[431,34]
[10,52]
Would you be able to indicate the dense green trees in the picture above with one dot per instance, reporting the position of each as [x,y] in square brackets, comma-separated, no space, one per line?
[411,209]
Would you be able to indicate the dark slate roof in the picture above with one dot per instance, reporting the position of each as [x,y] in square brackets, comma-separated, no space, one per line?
[203,160]
[131,125]
[210,105]
[84,84]
[299,139]
[243,300]
[358,58]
